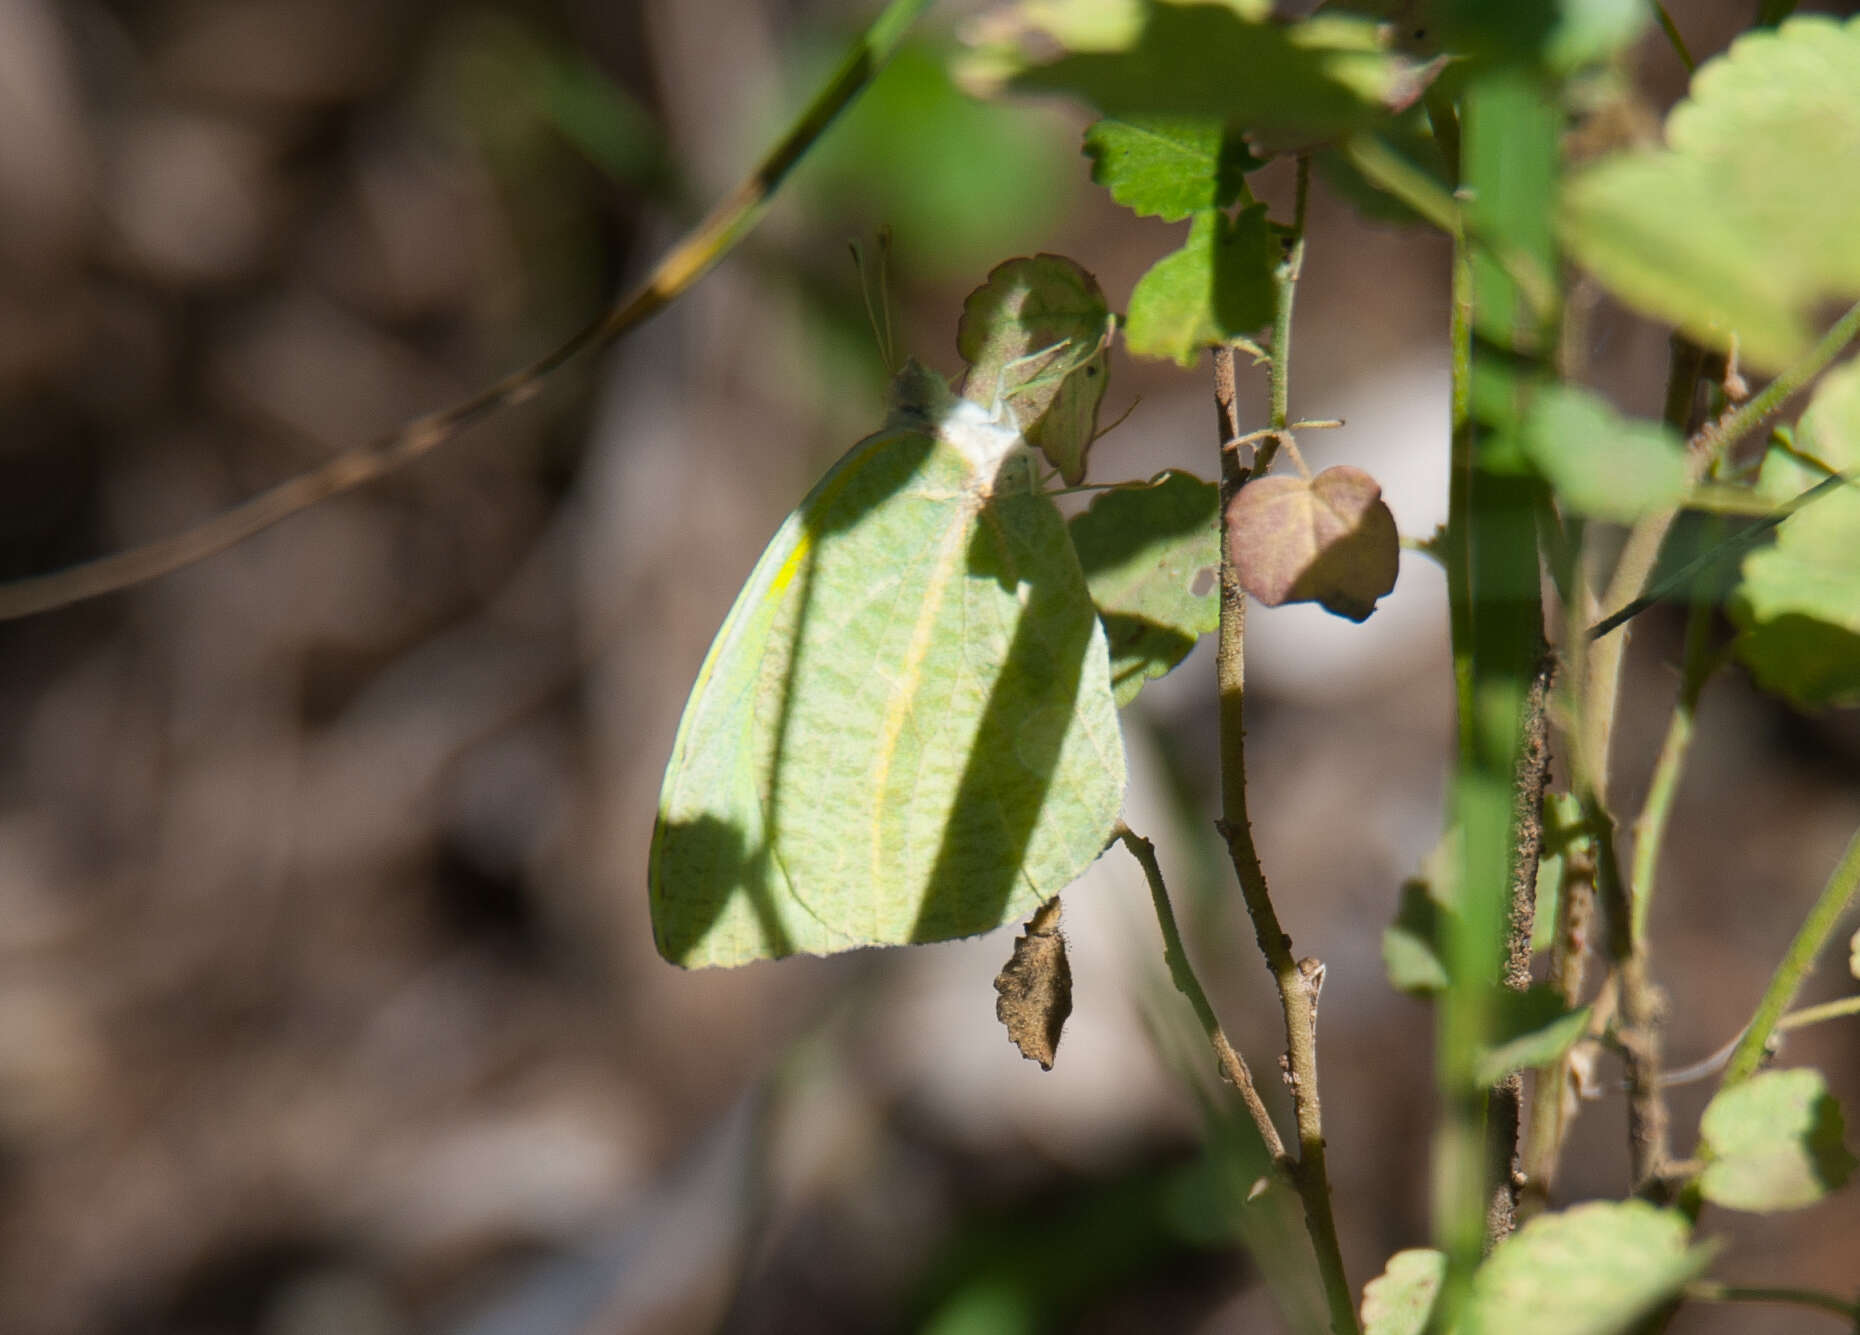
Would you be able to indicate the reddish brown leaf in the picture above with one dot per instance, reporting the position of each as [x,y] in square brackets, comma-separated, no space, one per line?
[1328,539]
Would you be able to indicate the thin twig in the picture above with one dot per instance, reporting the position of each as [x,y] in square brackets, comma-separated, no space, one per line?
[1673,39]
[1709,1291]
[1297,980]
[1232,1065]
[1795,965]
[1709,445]
[713,238]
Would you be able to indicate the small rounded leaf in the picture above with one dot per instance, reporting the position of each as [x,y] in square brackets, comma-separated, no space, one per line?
[1328,539]
[1400,1299]
[1773,1142]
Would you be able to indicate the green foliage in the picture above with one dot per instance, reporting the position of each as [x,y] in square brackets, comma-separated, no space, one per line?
[1560,35]
[958,181]
[1412,944]
[1773,1142]
[1798,600]
[1743,225]
[1149,554]
[1596,1269]
[1285,83]
[1216,288]
[1400,1299]
[1530,1028]
[1169,167]
[1601,464]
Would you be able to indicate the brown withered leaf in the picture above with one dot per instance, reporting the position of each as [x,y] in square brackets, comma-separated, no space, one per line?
[1328,539]
[1036,987]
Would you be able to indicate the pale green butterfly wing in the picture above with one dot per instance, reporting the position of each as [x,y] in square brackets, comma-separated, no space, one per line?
[904,731]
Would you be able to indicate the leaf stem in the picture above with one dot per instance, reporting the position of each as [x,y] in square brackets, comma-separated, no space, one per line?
[1232,1065]
[1297,979]
[1816,928]
[690,259]
[1709,1291]
[1673,39]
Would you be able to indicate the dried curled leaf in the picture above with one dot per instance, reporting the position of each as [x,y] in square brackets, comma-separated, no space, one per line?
[1036,987]
[1329,539]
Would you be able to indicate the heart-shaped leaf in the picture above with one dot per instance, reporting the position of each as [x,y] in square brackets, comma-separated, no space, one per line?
[1328,539]
[1773,1142]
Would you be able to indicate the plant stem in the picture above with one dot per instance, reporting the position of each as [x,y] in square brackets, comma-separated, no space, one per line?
[1796,962]
[1673,38]
[1297,980]
[1827,1010]
[1707,447]
[1708,1291]
[690,259]
[1232,1065]
[1552,1101]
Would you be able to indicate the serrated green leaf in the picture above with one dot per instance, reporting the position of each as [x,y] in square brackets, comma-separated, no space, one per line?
[1216,288]
[1596,1269]
[1773,1142]
[1169,166]
[1036,334]
[1744,223]
[904,731]
[1401,1298]
[1530,1028]
[1146,552]
[1602,464]
[1414,945]
[1797,601]
[1227,60]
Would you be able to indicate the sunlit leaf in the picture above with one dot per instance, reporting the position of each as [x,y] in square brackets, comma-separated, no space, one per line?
[1602,464]
[1149,555]
[1329,539]
[1169,167]
[1226,60]
[1773,1142]
[1595,1269]
[1413,946]
[1743,225]
[904,731]
[1216,288]
[1401,1298]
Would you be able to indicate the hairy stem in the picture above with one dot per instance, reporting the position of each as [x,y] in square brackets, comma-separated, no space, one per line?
[713,238]
[1232,1065]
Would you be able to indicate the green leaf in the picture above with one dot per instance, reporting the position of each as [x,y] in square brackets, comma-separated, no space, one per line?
[1169,166]
[1773,1142]
[1596,1269]
[1560,35]
[1401,1298]
[1036,334]
[1228,61]
[1216,288]
[1146,552]
[904,731]
[1744,224]
[1602,464]
[1853,955]
[1797,601]
[1531,1028]
[1328,539]
[1413,946]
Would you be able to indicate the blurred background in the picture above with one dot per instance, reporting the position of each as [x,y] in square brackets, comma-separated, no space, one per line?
[328,1001]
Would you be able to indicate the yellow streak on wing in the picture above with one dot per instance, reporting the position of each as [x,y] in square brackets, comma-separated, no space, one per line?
[898,707]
